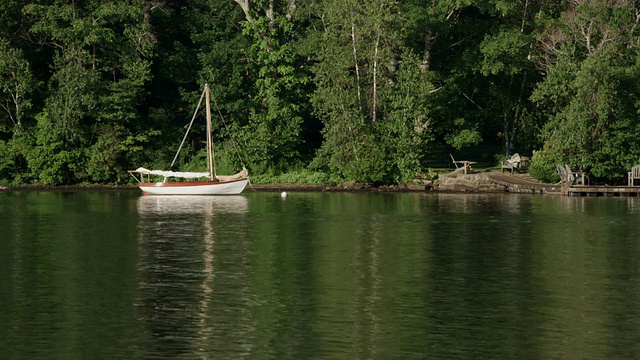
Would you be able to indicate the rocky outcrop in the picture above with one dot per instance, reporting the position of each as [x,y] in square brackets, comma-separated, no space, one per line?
[477,182]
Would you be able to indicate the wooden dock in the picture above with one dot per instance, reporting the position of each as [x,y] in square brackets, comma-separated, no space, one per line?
[587,190]
[513,183]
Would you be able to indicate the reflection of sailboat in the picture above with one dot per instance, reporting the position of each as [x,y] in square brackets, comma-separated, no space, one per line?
[216,185]
[149,205]
[177,236]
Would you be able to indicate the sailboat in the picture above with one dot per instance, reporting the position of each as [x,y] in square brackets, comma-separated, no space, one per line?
[197,185]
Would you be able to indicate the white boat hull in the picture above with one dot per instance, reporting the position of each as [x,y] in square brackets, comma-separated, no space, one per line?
[234,187]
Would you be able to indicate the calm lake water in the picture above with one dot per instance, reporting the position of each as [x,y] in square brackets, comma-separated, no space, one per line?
[115,275]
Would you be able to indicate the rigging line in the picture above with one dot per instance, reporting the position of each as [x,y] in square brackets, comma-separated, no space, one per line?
[195,113]
[233,143]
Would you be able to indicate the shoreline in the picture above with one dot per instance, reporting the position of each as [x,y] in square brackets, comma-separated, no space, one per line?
[275,187]
[454,182]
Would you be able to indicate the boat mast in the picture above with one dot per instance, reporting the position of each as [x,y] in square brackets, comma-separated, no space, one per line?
[209,140]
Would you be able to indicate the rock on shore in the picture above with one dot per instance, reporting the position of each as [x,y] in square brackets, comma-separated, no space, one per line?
[476,182]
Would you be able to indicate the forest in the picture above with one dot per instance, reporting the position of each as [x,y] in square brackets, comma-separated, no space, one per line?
[374,91]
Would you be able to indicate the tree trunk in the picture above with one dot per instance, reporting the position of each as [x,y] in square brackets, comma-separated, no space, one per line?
[426,54]
[355,60]
[269,12]
[375,78]
[147,12]
[291,8]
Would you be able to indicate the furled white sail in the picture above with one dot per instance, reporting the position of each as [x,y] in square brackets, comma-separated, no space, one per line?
[241,175]
[176,174]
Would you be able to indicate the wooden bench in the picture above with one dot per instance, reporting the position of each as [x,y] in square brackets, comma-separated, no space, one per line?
[511,163]
[514,162]
[634,174]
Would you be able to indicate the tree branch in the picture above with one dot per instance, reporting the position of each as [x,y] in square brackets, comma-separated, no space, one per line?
[244,4]
[291,8]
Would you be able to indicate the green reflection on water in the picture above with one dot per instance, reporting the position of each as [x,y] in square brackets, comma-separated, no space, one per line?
[319,275]
[67,274]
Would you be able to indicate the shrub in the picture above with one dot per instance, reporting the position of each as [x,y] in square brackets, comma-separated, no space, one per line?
[543,167]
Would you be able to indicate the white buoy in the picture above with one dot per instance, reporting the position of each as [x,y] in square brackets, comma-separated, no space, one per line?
[284,194]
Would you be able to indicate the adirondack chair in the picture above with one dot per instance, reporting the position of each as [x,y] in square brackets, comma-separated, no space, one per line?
[565,180]
[562,172]
[571,177]
[466,165]
[576,177]
[634,174]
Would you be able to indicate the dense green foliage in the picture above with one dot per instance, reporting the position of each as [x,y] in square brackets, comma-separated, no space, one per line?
[373,91]
[591,91]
